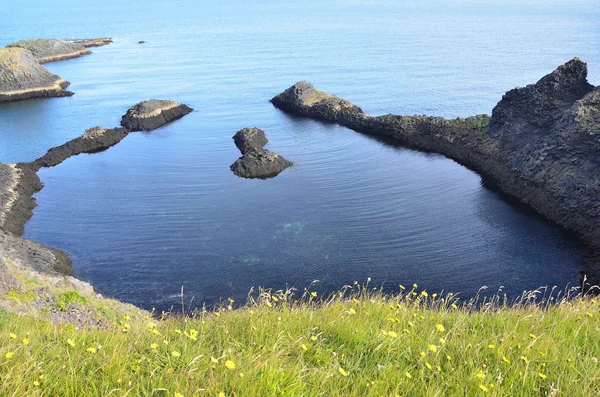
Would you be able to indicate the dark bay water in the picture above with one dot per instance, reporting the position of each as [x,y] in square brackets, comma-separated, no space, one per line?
[161,209]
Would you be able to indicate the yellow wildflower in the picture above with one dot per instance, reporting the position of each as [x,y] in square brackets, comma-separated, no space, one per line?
[506,360]
[392,334]
[408,375]
[214,360]
[480,375]
[230,364]
[442,341]
[71,342]
[342,371]
[313,294]
[9,355]
[91,350]
[12,336]
[543,376]
[402,287]
[175,353]
[303,346]
[25,341]
[491,346]
[36,383]
[154,346]
[313,338]
[440,327]
[485,389]
[432,348]
[178,394]
[449,358]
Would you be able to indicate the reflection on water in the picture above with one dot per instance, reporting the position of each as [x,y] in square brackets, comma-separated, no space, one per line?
[162,210]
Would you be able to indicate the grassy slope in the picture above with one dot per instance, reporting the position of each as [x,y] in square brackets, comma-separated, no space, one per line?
[365,344]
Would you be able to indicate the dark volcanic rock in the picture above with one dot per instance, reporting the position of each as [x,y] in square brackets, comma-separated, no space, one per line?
[22,77]
[87,43]
[92,141]
[152,114]
[250,138]
[50,50]
[542,145]
[28,254]
[256,162]
[18,184]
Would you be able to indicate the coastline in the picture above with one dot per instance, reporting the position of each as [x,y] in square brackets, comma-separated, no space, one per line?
[19,182]
[539,183]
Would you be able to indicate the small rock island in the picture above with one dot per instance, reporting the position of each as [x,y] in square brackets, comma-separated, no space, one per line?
[541,145]
[256,161]
[152,114]
[22,77]
[51,50]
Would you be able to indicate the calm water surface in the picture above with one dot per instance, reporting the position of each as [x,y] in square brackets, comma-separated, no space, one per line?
[161,209]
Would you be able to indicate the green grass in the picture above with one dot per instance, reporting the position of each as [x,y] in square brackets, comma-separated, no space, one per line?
[64,300]
[359,344]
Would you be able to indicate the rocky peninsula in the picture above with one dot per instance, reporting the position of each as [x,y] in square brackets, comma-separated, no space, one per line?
[22,77]
[51,50]
[152,114]
[87,43]
[541,144]
[256,161]
[93,140]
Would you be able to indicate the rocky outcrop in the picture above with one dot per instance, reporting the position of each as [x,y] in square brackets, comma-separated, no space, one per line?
[87,43]
[28,254]
[541,145]
[256,162]
[22,77]
[92,141]
[18,184]
[152,114]
[51,50]
[7,281]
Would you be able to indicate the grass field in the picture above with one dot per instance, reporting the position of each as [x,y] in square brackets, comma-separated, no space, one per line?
[356,343]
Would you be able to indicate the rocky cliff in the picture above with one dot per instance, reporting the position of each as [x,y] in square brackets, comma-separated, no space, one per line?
[541,145]
[22,77]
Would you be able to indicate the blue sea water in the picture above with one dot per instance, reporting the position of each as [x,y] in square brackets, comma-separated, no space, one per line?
[162,210]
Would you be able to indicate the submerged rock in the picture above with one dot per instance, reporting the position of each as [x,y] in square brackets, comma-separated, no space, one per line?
[50,50]
[92,141]
[256,162]
[542,144]
[152,114]
[22,77]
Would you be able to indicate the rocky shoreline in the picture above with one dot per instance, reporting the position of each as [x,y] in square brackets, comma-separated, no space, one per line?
[541,144]
[256,161]
[18,184]
[22,77]
[51,50]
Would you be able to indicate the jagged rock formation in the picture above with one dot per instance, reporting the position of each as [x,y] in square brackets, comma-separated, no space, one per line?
[256,162]
[93,140]
[542,144]
[51,50]
[22,77]
[152,114]
[87,43]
